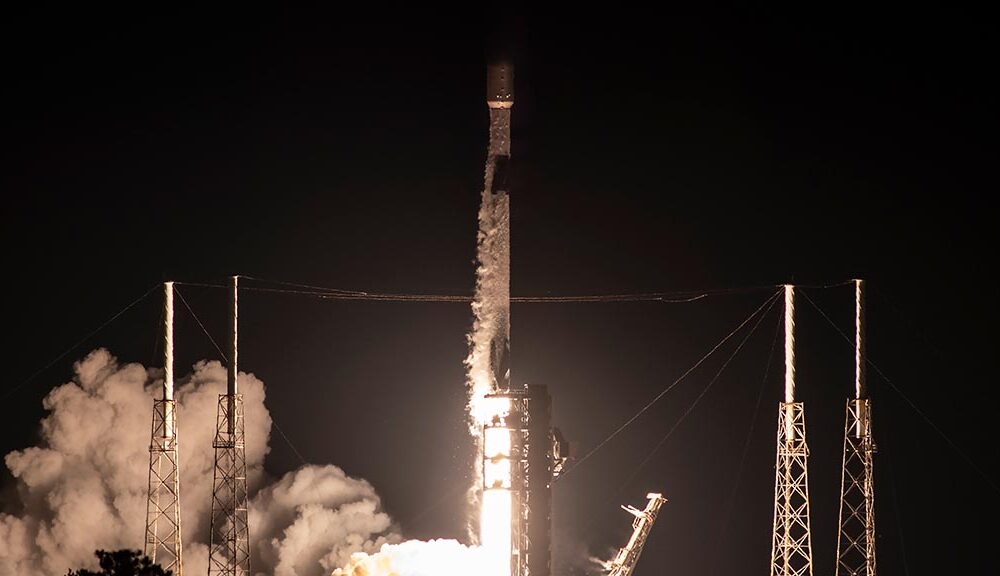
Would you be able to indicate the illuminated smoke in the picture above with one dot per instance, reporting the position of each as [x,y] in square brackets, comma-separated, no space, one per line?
[84,486]
[491,326]
[491,306]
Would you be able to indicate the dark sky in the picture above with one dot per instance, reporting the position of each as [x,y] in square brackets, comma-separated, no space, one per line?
[654,151]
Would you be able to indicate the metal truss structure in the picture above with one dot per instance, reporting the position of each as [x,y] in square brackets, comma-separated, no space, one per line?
[229,549]
[627,557]
[791,543]
[163,505]
[856,541]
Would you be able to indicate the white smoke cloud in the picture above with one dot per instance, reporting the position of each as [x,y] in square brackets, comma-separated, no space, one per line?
[84,486]
[491,323]
[313,519]
[491,305]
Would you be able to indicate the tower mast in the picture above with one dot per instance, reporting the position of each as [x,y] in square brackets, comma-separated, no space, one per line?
[856,539]
[229,549]
[163,503]
[791,541]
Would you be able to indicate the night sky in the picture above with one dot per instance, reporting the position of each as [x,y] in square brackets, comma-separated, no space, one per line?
[654,151]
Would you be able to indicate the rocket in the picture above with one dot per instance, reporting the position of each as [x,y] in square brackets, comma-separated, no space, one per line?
[500,99]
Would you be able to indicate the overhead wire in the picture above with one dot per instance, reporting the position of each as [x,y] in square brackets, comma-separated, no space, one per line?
[770,304]
[34,375]
[770,300]
[330,293]
[198,320]
[917,329]
[288,440]
[307,286]
[727,516]
[274,421]
[694,404]
[954,445]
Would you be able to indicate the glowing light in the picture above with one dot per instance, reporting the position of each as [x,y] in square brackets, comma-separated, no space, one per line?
[494,531]
[485,409]
[417,558]
[496,442]
[496,512]
[789,343]
[789,362]
[496,458]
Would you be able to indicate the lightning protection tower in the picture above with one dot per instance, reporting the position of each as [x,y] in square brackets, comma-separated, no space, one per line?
[163,504]
[229,549]
[856,541]
[791,541]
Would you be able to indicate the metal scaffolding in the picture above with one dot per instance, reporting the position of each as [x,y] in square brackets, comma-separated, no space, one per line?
[163,505]
[856,542]
[229,548]
[229,551]
[627,557]
[791,544]
[162,543]
[856,539]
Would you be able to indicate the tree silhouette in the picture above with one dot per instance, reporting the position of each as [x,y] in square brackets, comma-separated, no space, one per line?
[123,563]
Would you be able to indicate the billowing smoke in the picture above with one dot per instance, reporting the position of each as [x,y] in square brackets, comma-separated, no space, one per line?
[491,324]
[491,307]
[84,486]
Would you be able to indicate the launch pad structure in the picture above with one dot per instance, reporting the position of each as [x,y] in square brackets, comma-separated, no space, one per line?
[522,453]
[628,556]
[791,538]
[162,543]
[856,539]
[229,548]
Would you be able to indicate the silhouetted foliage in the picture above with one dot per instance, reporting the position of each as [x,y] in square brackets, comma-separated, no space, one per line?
[123,563]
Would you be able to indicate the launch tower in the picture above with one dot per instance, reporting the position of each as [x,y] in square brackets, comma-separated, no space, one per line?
[791,542]
[856,541]
[163,503]
[229,549]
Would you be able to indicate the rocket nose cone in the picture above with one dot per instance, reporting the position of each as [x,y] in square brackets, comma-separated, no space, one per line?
[500,82]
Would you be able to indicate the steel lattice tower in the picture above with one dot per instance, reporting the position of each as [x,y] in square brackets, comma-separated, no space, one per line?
[856,540]
[791,542]
[229,550]
[163,504]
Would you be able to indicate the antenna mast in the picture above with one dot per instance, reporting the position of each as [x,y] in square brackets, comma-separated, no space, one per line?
[163,503]
[856,540]
[791,541]
[229,550]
